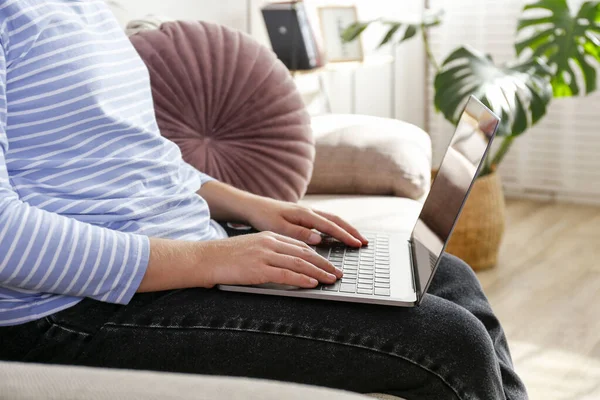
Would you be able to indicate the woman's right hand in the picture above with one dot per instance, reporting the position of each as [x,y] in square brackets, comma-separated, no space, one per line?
[260,258]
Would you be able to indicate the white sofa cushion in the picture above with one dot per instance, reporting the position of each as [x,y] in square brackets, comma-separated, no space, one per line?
[358,154]
[379,213]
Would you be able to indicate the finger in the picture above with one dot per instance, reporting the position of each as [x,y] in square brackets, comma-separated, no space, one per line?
[301,266]
[344,225]
[313,220]
[301,234]
[287,277]
[292,239]
[309,255]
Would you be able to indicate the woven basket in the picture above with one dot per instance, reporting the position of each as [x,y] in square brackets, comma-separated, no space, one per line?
[478,233]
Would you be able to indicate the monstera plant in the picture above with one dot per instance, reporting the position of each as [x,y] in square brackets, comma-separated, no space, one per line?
[557,55]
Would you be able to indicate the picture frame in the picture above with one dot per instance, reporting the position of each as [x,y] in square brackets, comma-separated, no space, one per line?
[333,21]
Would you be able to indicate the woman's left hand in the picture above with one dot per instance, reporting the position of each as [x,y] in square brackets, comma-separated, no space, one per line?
[298,222]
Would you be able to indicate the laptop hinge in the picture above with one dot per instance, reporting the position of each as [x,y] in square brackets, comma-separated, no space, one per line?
[414,269]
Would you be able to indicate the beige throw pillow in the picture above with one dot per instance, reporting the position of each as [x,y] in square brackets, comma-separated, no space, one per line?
[359,154]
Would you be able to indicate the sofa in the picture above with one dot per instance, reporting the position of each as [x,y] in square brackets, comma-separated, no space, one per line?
[373,172]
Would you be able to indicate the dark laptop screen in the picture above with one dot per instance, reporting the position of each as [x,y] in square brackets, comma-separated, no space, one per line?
[459,168]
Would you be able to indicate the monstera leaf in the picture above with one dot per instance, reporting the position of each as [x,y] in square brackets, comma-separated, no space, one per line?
[402,30]
[519,94]
[567,42]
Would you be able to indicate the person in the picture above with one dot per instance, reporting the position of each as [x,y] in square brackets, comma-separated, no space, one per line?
[109,249]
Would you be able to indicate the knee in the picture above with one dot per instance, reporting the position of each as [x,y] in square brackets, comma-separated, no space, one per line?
[468,351]
[466,334]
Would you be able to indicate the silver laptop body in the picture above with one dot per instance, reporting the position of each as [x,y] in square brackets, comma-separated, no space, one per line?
[397,268]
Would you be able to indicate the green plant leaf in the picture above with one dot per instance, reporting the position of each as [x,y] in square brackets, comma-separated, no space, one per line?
[395,28]
[409,30]
[568,42]
[353,31]
[519,94]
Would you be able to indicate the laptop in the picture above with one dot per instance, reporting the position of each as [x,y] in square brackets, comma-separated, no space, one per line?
[396,268]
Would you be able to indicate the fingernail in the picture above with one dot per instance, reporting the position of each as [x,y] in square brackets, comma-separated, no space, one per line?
[314,238]
[332,277]
[338,272]
[313,282]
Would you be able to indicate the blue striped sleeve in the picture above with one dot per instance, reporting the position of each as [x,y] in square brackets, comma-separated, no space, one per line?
[188,173]
[50,253]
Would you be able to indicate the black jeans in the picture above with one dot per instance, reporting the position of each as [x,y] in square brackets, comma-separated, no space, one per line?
[450,347]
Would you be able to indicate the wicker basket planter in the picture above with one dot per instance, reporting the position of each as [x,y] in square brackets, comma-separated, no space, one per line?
[478,233]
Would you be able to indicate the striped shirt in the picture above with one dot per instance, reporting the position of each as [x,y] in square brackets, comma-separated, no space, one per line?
[85,177]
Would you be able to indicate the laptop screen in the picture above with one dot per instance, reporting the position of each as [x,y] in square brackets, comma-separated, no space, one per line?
[459,168]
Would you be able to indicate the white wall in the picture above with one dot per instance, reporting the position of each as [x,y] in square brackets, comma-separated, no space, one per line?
[373,85]
[227,12]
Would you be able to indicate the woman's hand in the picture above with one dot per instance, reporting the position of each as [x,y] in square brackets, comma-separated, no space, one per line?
[264,257]
[298,222]
[227,203]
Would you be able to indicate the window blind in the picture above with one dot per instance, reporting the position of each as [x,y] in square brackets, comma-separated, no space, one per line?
[557,159]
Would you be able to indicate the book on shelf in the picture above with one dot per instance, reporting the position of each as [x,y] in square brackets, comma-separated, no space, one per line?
[292,35]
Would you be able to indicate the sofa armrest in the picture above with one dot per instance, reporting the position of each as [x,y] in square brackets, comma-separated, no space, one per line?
[357,154]
[31,381]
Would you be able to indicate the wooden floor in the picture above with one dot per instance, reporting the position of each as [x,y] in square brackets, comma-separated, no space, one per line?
[546,292]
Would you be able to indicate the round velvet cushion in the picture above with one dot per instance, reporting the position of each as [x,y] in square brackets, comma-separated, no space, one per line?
[231,107]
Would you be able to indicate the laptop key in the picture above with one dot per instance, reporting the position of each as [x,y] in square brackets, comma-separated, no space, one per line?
[347,288]
[364,291]
[382,291]
[332,288]
[382,285]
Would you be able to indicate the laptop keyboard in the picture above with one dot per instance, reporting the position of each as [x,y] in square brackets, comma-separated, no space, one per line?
[366,270]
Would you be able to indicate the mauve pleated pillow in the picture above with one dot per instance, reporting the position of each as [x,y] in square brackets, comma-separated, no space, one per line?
[230,106]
